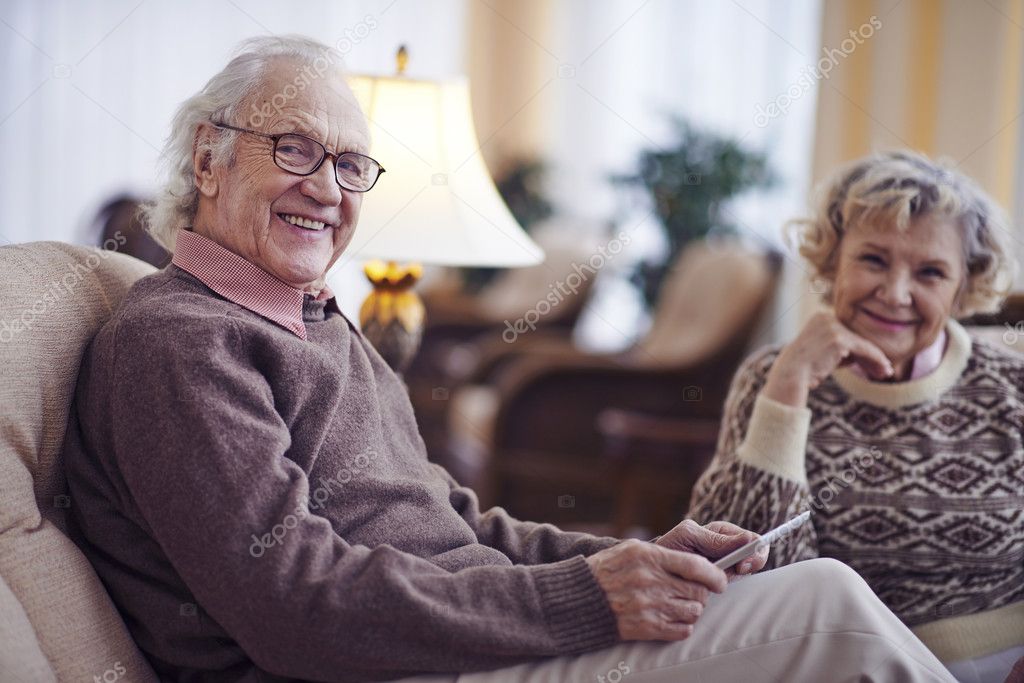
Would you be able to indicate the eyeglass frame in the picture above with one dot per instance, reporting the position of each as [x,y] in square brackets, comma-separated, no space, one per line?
[336,157]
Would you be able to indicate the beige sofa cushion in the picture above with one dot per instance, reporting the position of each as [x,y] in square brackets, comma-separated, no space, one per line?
[54,298]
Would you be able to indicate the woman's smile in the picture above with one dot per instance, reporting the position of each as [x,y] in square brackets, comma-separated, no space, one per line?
[898,288]
[887,322]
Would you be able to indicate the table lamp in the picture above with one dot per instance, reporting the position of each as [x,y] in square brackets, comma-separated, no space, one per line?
[436,204]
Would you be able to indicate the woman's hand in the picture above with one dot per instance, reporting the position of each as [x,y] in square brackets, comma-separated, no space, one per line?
[656,593]
[822,345]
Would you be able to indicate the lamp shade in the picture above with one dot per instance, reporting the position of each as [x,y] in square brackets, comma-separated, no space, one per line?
[436,203]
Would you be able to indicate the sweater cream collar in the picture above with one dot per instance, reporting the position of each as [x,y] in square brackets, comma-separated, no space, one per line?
[920,390]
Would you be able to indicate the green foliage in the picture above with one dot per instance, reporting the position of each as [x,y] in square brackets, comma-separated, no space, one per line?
[521,186]
[688,183]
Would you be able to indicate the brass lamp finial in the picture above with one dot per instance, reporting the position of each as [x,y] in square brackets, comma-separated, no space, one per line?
[402,58]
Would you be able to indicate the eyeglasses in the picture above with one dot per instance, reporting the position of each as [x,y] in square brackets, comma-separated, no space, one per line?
[302,156]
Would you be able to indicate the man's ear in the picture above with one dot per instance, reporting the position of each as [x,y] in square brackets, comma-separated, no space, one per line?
[202,161]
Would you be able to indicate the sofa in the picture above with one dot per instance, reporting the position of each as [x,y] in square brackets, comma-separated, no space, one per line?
[57,621]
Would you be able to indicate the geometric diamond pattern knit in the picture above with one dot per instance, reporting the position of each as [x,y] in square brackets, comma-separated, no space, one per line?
[918,486]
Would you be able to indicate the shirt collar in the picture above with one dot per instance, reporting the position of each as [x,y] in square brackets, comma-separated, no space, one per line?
[927,360]
[242,282]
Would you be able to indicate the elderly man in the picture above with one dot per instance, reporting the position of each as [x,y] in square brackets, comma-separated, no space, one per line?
[250,484]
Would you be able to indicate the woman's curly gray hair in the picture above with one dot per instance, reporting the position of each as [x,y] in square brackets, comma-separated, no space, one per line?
[889,190]
[224,98]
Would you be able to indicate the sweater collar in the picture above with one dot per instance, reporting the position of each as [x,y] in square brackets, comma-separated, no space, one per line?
[244,283]
[924,363]
[917,390]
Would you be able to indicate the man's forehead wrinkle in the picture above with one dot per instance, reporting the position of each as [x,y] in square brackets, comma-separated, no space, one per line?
[348,132]
[296,120]
[324,108]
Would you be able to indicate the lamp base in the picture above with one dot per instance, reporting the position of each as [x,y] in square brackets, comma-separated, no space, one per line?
[392,315]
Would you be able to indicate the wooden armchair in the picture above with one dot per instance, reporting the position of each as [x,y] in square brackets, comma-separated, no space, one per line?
[654,476]
[457,324]
[545,435]
[1006,327]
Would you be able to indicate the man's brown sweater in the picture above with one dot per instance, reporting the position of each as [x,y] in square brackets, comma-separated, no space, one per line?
[260,504]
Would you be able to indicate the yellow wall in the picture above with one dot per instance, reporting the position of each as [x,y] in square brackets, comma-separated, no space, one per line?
[508,65]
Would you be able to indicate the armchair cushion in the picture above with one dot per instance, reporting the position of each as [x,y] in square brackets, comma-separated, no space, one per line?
[710,292]
[54,298]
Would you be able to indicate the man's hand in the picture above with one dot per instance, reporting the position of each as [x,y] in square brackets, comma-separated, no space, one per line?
[656,593]
[713,541]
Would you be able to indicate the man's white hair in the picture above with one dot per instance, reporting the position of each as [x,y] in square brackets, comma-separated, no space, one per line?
[224,98]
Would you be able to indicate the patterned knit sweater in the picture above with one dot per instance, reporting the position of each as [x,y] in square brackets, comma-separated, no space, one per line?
[918,485]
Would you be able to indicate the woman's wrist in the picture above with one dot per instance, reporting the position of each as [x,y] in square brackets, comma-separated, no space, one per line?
[776,438]
[786,387]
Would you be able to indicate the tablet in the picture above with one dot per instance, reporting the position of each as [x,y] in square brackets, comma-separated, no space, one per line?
[764,539]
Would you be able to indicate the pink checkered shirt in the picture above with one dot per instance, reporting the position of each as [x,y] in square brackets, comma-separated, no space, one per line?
[242,282]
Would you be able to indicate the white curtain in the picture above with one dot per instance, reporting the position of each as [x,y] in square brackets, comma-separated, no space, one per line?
[89,89]
[626,66]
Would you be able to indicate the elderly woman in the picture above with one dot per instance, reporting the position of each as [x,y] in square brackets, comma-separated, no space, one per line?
[250,484]
[899,431]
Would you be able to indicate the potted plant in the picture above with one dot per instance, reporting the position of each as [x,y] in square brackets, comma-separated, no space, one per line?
[687,184]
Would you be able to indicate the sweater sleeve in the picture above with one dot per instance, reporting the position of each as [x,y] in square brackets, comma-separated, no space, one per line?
[757,479]
[523,542]
[204,458]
